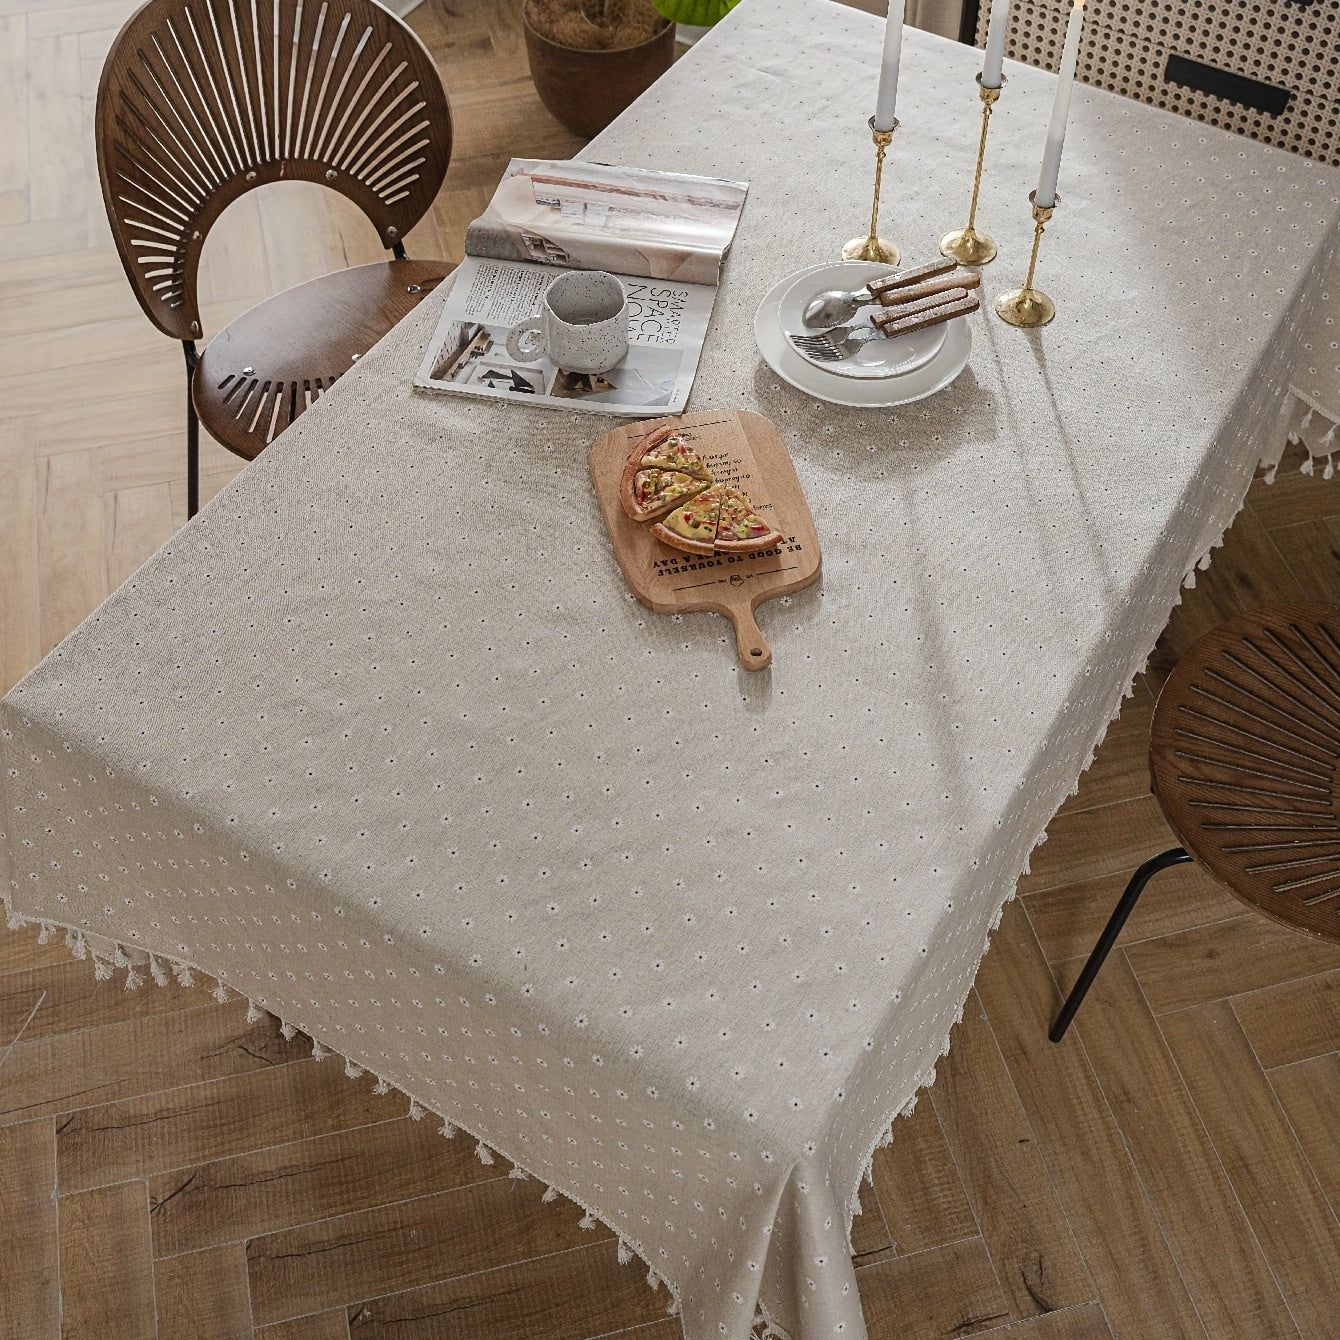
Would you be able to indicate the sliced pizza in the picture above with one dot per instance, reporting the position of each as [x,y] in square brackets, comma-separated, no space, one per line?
[648,494]
[740,529]
[692,526]
[665,449]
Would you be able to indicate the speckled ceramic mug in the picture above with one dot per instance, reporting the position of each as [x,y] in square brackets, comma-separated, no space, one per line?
[582,325]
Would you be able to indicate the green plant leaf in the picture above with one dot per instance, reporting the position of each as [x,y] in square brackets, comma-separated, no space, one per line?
[703,13]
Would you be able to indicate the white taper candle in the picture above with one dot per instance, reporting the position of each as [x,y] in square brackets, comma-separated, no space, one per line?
[888,71]
[993,63]
[1051,155]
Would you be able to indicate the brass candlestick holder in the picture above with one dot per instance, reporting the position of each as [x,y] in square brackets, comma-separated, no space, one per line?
[1028,307]
[874,247]
[966,245]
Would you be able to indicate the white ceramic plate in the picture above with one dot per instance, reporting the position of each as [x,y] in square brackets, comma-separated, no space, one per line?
[875,358]
[898,389]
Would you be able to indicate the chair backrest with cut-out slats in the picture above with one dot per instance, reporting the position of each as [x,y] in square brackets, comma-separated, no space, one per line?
[203,100]
[1245,758]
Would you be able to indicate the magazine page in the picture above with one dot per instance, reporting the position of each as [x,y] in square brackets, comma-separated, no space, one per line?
[589,216]
[468,352]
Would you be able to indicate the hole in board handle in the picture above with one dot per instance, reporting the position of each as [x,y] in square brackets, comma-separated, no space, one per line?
[756,651]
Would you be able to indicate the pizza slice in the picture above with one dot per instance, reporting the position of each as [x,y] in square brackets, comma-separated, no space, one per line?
[740,529]
[665,449]
[692,526]
[648,494]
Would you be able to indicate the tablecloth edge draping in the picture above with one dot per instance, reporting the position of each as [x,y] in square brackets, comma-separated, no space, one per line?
[884,1135]
[106,956]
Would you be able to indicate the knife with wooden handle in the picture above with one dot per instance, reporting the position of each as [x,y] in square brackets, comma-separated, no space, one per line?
[905,309]
[898,322]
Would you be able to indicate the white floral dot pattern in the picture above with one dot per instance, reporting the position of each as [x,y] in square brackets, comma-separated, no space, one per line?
[382,742]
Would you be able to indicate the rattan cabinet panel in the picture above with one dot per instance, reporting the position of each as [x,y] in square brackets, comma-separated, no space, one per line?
[1227,55]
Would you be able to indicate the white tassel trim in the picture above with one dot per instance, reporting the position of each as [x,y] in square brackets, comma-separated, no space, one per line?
[381,1086]
[483,1153]
[220,993]
[183,974]
[586,1222]
[519,1175]
[158,972]
[447,1131]
[134,979]
[625,1253]
[415,1111]
[550,1195]
[351,1070]
[254,1013]
[319,1053]
[287,1032]
[102,970]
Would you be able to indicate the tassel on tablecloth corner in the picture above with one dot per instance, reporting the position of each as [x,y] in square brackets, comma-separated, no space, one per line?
[78,947]
[1272,472]
[1329,471]
[183,974]
[550,1195]
[102,970]
[446,1130]
[673,1309]
[519,1174]
[44,932]
[587,1222]
[352,1069]
[625,1253]
[119,959]
[415,1111]
[483,1153]
[319,1053]
[134,978]
[288,1032]
[653,1279]
[1303,424]
[1307,467]
[381,1086]
[220,992]
[254,1012]
[157,971]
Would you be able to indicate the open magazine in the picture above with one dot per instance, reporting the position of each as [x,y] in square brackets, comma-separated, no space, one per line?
[664,234]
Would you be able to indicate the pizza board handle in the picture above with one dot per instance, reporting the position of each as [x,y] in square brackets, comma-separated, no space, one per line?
[754,652]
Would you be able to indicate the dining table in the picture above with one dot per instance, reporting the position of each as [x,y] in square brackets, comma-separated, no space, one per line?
[381,740]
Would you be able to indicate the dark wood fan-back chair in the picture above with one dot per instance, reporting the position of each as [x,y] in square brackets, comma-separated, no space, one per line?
[203,100]
[1244,755]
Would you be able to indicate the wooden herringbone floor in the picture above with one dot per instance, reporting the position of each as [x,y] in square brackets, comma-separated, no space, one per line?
[169,1170]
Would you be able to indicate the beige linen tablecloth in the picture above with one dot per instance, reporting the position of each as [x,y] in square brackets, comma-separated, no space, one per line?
[382,741]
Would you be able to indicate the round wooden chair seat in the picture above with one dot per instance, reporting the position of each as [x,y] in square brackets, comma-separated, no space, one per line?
[1243,753]
[257,375]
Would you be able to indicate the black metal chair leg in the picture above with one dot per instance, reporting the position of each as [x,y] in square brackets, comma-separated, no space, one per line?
[1123,909]
[192,434]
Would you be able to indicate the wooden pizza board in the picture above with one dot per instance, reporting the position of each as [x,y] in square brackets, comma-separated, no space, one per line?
[743,449]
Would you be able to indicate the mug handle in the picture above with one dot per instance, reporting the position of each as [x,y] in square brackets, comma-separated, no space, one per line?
[519,347]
